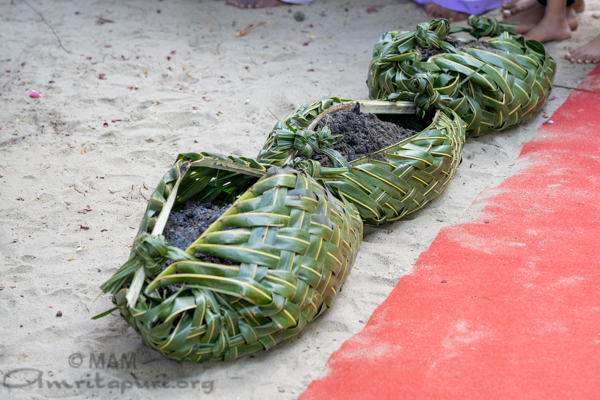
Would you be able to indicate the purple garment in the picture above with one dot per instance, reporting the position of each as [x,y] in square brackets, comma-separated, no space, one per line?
[466,6]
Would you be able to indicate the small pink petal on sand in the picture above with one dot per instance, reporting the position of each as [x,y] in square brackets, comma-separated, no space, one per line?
[172,51]
[372,10]
[105,124]
[552,98]
[79,67]
[102,76]
[113,121]
[34,94]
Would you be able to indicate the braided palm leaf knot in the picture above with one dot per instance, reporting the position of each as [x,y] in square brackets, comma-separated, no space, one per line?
[426,97]
[429,34]
[482,26]
[151,249]
[307,141]
[148,252]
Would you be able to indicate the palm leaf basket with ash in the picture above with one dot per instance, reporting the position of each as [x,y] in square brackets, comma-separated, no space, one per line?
[274,259]
[385,183]
[491,84]
[234,255]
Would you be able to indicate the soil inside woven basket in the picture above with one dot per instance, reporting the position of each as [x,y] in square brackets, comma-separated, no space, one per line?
[457,43]
[363,134]
[477,43]
[185,226]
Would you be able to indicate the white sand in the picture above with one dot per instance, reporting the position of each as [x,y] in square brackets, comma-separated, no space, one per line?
[54,161]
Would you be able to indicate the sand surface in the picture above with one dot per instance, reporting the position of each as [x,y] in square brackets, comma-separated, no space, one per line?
[216,93]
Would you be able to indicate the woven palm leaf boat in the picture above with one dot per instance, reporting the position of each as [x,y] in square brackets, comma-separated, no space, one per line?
[280,253]
[387,184]
[491,84]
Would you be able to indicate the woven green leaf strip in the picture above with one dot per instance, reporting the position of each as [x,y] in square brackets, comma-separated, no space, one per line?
[492,88]
[292,244]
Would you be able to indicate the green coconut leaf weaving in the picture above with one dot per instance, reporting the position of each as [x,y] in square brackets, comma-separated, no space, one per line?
[287,245]
[492,84]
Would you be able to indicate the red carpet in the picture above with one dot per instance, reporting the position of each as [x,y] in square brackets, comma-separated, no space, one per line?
[518,316]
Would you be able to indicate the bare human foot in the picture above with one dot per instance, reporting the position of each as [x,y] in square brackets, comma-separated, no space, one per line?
[551,27]
[513,7]
[579,6]
[531,17]
[516,6]
[255,3]
[588,53]
[436,11]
